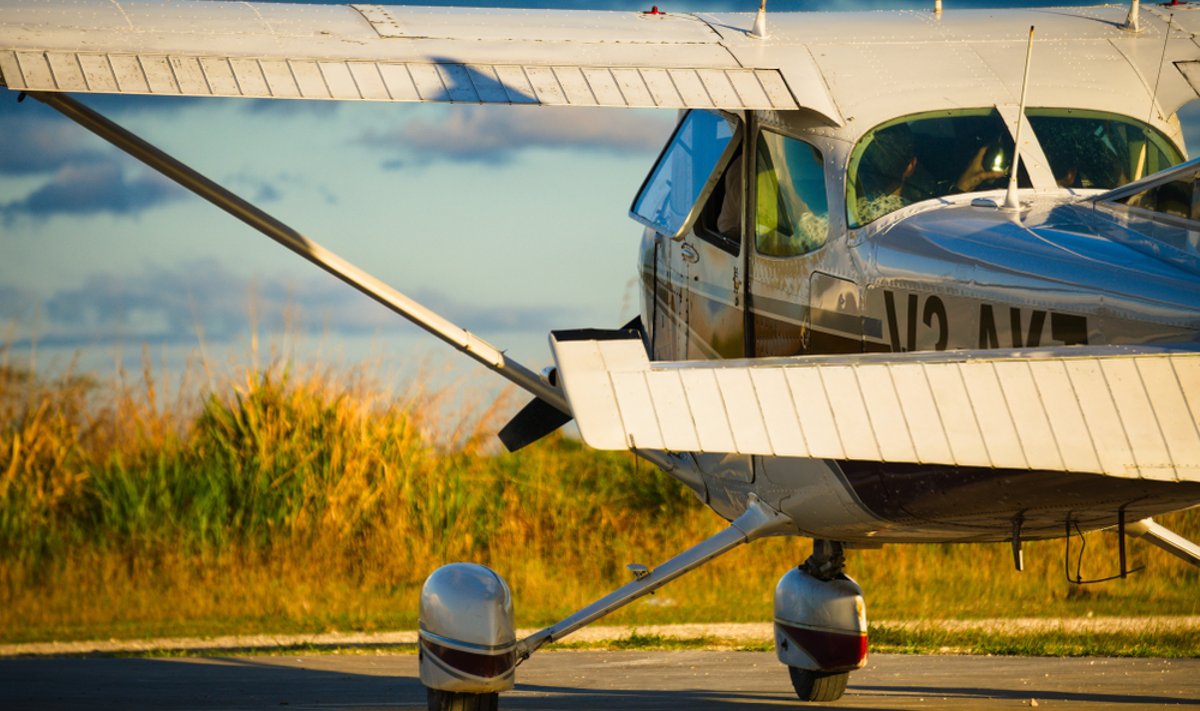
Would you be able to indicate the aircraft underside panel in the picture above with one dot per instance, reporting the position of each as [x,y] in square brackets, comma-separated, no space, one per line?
[1123,412]
[944,503]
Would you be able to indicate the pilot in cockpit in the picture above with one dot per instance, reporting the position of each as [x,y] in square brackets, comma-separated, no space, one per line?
[898,170]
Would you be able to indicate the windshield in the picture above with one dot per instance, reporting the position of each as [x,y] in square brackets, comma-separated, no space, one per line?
[925,156]
[1091,149]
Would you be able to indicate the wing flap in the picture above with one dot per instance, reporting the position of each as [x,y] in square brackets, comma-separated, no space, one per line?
[377,53]
[627,87]
[1117,411]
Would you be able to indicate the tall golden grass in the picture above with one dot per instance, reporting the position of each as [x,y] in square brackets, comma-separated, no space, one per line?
[309,499]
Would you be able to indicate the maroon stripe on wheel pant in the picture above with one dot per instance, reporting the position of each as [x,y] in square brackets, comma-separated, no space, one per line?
[832,650]
[485,665]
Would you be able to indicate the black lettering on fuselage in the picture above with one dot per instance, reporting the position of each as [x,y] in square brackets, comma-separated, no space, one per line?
[889,305]
[1071,330]
[1024,328]
[1065,328]
[934,309]
[987,328]
[1036,321]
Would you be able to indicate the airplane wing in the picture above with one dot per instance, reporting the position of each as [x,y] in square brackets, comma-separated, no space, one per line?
[869,66]
[1119,411]
[394,53]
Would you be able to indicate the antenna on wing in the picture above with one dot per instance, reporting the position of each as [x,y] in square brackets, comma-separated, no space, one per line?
[1011,201]
[937,8]
[759,31]
[1161,61]
[1131,21]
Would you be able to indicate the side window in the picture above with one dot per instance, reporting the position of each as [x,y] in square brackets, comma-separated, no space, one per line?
[721,220]
[1176,198]
[791,210]
[669,195]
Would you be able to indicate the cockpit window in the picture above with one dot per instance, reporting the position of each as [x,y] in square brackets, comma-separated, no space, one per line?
[1092,149]
[1177,198]
[674,186]
[791,211]
[925,156]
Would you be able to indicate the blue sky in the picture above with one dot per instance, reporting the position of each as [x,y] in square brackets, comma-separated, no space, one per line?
[510,220]
[505,218]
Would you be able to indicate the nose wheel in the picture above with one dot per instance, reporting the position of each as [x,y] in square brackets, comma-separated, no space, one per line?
[820,624]
[818,686]
[454,701]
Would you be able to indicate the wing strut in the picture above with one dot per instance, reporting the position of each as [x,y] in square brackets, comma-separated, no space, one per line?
[459,338]
[1165,539]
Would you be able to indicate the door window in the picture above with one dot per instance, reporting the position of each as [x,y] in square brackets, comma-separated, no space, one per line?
[720,222]
[669,196]
[791,209]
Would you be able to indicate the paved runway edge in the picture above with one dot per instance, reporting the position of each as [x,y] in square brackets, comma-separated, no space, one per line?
[719,634]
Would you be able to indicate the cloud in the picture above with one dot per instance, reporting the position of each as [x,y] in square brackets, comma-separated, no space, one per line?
[93,187]
[175,305]
[494,134]
[30,145]
[78,174]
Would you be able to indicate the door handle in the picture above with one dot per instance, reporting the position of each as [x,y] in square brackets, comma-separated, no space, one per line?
[689,253]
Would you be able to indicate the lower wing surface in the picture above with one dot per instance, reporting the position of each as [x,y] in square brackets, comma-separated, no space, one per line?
[1118,411]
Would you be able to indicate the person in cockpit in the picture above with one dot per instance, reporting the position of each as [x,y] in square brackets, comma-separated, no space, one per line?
[895,170]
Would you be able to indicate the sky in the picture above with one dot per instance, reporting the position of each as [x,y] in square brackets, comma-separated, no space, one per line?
[511,221]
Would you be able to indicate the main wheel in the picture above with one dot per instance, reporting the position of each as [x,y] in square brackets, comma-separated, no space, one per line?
[453,701]
[817,686]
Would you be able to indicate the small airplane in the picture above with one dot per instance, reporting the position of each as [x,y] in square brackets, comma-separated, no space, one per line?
[919,276]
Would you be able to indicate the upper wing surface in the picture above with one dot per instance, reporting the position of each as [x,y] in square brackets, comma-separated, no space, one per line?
[871,66]
[390,53]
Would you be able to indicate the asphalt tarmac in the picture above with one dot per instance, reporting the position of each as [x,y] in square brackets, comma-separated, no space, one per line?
[596,680]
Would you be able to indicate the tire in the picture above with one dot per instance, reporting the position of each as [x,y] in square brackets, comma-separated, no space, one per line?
[452,701]
[818,686]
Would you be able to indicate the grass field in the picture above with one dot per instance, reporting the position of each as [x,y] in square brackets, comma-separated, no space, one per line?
[310,500]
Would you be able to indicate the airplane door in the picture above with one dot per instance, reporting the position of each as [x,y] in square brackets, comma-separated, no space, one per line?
[795,304]
[694,202]
[669,328]
[712,253]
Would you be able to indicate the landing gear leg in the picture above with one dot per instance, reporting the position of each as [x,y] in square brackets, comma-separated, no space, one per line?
[468,651]
[820,624]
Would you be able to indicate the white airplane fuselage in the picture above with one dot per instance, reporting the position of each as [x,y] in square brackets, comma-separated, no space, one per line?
[951,271]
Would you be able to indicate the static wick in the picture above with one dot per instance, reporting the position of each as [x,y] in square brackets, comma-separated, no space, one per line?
[759,31]
[1131,22]
[937,8]
[1011,200]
